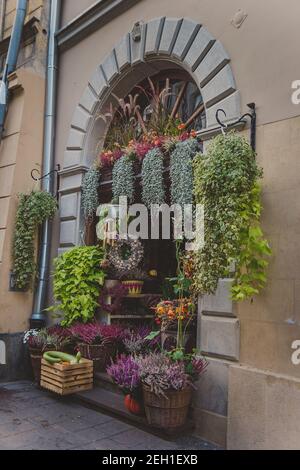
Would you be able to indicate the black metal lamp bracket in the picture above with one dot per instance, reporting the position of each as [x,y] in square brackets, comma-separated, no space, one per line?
[40,178]
[242,119]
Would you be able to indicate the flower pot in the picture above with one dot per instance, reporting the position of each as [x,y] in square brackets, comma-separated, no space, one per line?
[111,283]
[134,287]
[100,354]
[167,412]
[132,405]
[36,358]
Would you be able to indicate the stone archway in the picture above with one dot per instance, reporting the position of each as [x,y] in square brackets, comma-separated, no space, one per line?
[181,42]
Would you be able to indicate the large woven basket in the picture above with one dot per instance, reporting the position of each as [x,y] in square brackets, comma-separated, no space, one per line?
[100,354]
[167,412]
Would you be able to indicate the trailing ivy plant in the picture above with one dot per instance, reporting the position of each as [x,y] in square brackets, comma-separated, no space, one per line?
[181,171]
[123,179]
[33,209]
[153,191]
[90,198]
[226,182]
[78,279]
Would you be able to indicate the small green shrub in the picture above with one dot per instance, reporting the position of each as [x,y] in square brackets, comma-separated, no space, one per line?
[78,279]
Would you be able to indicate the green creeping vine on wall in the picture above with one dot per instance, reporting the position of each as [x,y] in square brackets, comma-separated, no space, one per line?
[152,178]
[226,182]
[32,211]
[78,279]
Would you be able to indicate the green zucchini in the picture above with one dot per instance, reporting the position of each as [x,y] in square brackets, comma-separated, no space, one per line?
[54,357]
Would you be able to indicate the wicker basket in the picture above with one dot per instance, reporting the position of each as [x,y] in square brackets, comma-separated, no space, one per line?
[100,354]
[167,412]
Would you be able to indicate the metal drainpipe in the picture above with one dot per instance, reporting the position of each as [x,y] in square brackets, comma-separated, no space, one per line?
[11,59]
[38,317]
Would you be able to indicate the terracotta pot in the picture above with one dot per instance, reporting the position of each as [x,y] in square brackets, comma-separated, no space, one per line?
[134,287]
[133,405]
[100,354]
[169,412]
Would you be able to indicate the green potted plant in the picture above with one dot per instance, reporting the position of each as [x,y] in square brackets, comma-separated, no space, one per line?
[78,280]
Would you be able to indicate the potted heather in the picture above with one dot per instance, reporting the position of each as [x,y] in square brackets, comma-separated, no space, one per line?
[125,373]
[97,342]
[40,341]
[167,382]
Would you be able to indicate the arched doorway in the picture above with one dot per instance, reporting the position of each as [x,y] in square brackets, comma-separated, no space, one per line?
[161,45]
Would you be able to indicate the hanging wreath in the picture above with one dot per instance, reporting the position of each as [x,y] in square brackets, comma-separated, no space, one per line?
[126,255]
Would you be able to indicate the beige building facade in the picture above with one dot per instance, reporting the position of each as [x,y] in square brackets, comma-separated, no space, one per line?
[20,151]
[237,52]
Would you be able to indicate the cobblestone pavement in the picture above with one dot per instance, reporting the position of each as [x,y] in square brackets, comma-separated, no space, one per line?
[31,418]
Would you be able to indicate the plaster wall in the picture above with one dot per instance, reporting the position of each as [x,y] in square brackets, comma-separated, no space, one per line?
[20,151]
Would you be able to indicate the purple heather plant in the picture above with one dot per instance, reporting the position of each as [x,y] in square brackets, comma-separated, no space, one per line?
[135,341]
[125,373]
[160,373]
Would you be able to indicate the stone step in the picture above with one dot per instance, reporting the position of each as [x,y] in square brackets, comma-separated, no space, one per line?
[112,403]
[103,380]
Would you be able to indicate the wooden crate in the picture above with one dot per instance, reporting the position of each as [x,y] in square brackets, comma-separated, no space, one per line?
[65,379]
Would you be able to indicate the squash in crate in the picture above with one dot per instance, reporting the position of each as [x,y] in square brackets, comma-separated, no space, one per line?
[65,374]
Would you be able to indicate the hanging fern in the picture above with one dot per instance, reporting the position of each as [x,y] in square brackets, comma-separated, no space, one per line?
[123,179]
[33,210]
[152,178]
[226,183]
[90,198]
[181,171]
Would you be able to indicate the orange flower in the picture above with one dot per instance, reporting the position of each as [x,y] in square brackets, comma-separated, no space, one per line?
[180,127]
